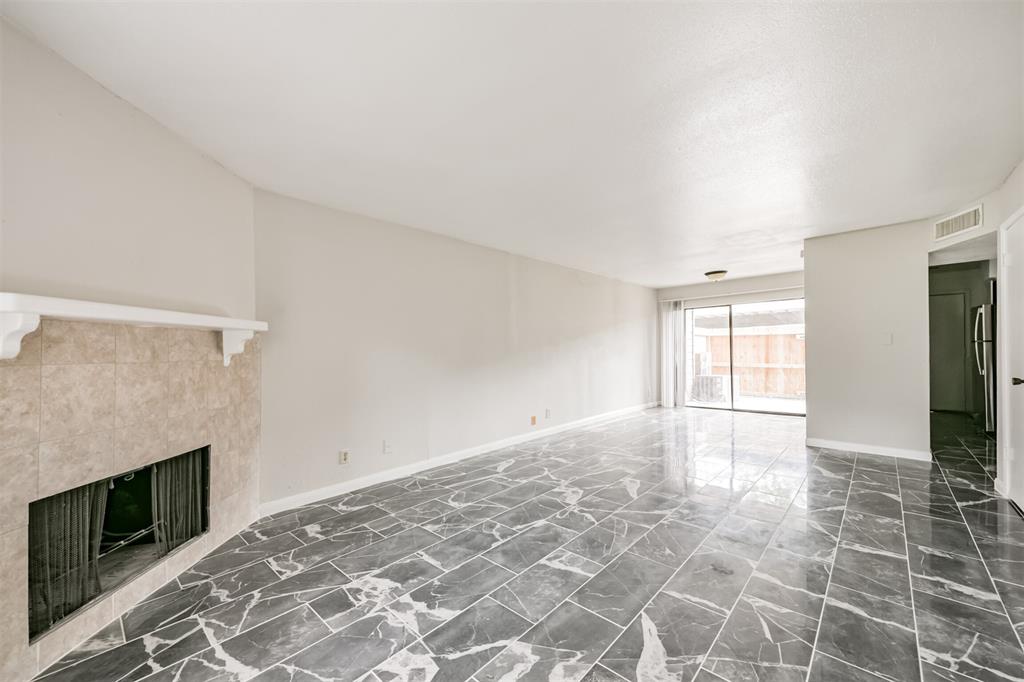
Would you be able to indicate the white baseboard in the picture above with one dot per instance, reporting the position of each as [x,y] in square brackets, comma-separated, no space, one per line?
[918,455]
[341,487]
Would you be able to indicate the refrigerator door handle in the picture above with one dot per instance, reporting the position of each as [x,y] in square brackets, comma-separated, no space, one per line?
[977,341]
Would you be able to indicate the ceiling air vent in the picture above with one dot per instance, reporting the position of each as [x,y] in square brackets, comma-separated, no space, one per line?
[961,222]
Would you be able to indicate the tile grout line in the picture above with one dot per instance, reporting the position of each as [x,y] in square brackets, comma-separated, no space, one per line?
[910,575]
[831,571]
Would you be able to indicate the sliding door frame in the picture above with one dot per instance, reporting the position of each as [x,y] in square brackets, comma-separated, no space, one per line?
[732,364]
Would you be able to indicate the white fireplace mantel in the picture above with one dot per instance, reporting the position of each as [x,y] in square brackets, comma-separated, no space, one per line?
[20,314]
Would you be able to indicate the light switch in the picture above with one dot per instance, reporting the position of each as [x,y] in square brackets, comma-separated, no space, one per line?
[887,339]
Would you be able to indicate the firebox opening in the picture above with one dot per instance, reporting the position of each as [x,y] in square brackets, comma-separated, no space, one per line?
[90,539]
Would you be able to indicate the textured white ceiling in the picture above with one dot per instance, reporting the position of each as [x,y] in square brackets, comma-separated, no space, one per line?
[648,142]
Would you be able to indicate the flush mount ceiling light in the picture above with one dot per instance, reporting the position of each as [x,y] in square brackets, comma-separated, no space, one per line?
[715,275]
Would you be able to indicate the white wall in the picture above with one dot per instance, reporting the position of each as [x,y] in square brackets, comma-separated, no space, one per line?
[867,340]
[101,202]
[381,332]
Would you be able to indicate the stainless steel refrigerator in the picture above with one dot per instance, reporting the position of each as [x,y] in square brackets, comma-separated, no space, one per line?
[984,342]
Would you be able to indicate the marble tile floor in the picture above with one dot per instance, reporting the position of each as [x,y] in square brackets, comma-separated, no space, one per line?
[678,544]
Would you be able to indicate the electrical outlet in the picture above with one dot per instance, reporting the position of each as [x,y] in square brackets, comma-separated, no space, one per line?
[533,420]
[343,457]
[547,413]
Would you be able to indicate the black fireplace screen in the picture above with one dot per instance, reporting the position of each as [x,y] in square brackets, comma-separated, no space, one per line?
[91,538]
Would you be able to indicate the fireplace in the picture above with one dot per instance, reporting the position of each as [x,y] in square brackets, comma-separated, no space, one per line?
[88,540]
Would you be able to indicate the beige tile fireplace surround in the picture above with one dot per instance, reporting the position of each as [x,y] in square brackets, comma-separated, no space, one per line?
[83,401]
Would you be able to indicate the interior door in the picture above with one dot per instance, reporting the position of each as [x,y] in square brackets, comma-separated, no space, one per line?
[1012,315]
[947,327]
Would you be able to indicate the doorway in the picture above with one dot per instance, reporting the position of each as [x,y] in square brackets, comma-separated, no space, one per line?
[746,356]
[961,310]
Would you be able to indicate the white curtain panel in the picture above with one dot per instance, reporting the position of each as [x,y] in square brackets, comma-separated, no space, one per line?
[671,353]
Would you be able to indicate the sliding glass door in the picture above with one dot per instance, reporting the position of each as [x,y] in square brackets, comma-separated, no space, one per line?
[746,356]
[708,357]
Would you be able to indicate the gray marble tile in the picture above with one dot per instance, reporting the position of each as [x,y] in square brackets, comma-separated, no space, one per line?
[440,600]
[953,576]
[790,581]
[265,529]
[670,542]
[1005,560]
[827,669]
[825,485]
[874,532]
[869,633]
[666,641]
[466,517]
[622,588]
[303,557]
[563,646]
[453,551]
[373,591]
[706,513]
[245,612]
[872,501]
[530,512]
[540,588]
[741,536]
[938,507]
[384,552]
[649,509]
[347,654]
[764,635]
[869,479]
[237,558]
[475,491]
[527,548]
[424,512]
[874,572]
[807,538]
[607,540]
[931,673]
[882,463]
[179,604]
[243,656]
[624,491]
[1013,599]
[779,484]
[712,579]
[469,640]
[940,534]
[366,497]
[763,507]
[516,495]
[825,510]
[339,523]
[412,498]
[967,640]
[586,513]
